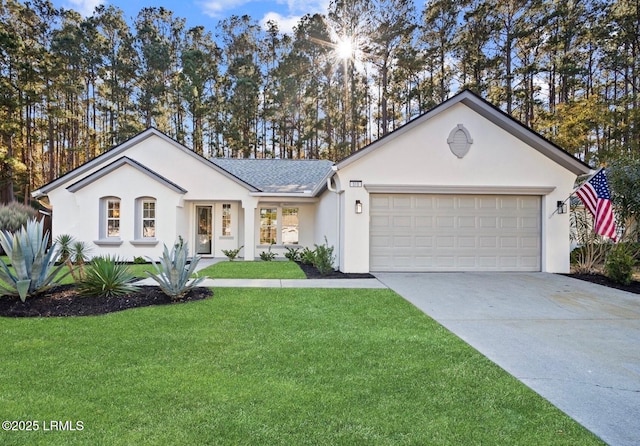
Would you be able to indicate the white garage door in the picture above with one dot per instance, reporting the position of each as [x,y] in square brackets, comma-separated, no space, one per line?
[454,232]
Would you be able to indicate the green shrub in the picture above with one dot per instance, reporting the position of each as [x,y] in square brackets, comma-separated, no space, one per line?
[293,254]
[34,265]
[619,264]
[232,253]
[324,258]
[175,270]
[268,255]
[15,215]
[307,256]
[139,260]
[107,277]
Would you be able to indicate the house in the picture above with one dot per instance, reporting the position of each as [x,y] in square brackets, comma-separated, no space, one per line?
[463,187]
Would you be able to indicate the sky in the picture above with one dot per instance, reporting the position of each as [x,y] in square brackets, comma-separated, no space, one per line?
[208,13]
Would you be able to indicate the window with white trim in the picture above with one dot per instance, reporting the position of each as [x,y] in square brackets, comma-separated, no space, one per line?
[148,218]
[113,218]
[290,230]
[279,226]
[268,226]
[226,220]
[145,225]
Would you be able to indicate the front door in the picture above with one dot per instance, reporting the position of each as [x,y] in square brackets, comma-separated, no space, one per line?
[204,240]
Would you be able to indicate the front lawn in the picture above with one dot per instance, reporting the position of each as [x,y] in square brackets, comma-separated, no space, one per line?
[253,270]
[267,367]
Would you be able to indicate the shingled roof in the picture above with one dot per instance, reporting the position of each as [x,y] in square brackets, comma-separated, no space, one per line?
[279,175]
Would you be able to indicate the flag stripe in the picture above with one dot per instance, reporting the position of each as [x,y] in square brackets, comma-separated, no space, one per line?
[596,197]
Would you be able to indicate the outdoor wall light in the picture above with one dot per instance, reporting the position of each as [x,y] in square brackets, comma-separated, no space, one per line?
[562,207]
[358,207]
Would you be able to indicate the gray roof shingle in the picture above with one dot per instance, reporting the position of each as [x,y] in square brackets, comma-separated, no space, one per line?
[278,175]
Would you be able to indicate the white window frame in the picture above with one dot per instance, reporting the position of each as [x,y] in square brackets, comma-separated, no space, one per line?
[144,218]
[277,224]
[141,218]
[117,217]
[227,216]
[273,226]
[290,226]
[106,216]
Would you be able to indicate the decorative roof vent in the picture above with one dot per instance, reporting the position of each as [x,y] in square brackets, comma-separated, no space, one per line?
[459,141]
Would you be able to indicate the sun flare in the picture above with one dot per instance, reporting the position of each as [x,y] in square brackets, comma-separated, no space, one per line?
[344,48]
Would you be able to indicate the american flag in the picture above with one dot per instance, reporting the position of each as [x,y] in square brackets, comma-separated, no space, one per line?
[595,195]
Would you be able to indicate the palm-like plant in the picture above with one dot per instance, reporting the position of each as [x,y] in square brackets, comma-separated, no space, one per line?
[107,277]
[34,265]
[175,270]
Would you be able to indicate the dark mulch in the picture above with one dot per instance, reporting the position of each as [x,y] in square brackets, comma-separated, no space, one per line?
[312,273]
[633,287]
[64,300]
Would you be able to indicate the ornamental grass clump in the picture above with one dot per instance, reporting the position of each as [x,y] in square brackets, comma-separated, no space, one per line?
[174,270]
[107,277]
[34,265]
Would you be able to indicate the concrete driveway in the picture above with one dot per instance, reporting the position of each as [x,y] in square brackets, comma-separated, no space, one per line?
[575,343]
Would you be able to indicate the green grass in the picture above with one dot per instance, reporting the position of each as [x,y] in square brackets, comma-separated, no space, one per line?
[253,270]
[267,367]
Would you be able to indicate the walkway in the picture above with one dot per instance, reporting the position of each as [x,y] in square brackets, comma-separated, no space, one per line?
[276,283]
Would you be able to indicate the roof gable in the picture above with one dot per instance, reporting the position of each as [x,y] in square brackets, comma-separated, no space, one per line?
[119,163]
[119,150]
[494,115]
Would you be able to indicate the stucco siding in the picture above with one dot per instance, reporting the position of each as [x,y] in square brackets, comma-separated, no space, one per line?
[79,215]
[496,159]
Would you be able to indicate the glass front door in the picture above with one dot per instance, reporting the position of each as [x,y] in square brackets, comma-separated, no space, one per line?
[203,230]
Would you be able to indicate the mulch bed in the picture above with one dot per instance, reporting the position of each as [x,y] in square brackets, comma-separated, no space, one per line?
[633,287]
[312,273]
[64,300]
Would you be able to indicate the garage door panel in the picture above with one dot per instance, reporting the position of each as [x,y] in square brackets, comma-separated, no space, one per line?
[509,223]
[467,242]
[529,223]
[401,221]
[424,222]
[423,242]
[487,203]
[444,202]
[531,243]
[445,222]
[401,202]
[467,222]
[488,222]
[454,233]
[379,202]
[509,242]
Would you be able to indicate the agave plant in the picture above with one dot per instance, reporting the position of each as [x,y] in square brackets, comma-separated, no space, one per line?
[34,265]
[174,271]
